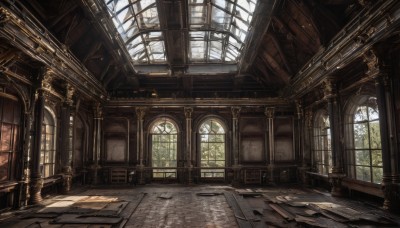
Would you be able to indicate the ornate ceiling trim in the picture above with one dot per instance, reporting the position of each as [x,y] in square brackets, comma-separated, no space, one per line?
[31,37]
[352,42]
[198,103]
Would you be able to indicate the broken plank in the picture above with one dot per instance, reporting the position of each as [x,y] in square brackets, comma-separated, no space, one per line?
[286,215]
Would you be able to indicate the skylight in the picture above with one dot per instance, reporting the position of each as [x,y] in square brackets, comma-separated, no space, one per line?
[138,24]
[217,30]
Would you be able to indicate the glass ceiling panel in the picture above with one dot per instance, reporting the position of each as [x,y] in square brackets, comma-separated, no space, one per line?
[217,29]
[229,18]
[139,26]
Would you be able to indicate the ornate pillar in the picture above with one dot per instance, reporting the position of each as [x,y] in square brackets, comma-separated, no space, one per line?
[301,134]
[36,175]
[140,113]
[387,124]
[66,150]
[270,112]
[235,145]
[189,163]
[337,174]
[97,129]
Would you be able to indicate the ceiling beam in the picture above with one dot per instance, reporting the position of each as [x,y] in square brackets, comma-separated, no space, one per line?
[281,53]
[278,70]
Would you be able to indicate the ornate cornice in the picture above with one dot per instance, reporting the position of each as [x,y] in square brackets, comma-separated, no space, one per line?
[198,103]
[27,34]
[352,42]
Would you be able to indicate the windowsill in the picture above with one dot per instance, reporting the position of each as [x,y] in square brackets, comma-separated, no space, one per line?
[321,176]
[361,186]
[8,186]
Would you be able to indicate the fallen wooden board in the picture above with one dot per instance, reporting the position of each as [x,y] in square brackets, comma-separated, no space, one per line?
[79,219]
[208,194]
[286,215]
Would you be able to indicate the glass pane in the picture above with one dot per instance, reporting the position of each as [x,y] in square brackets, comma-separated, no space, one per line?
[363,157]
[377,174]
[361,139]
[4,166]
[148,19]
[197,49]
[363,173]
[361,114]
[220,19]
[375,134]
[6,137]
[197,14]
[376,158]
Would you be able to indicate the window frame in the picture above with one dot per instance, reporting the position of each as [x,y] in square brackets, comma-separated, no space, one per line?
[212,171]
[351,150]
[164,172]
[50,152]
[322,152]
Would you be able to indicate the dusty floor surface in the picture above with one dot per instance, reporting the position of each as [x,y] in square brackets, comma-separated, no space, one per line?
[198,206]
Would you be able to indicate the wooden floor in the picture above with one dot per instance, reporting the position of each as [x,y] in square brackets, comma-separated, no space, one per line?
[198,206]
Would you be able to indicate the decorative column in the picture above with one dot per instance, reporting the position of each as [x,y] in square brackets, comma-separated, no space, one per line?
[97,129]
[66,149]
[337,174]
[24,194]
[270,112]
[235,145]
[387,124]
[300,143]
[189,163]
[36,175]
[140,113]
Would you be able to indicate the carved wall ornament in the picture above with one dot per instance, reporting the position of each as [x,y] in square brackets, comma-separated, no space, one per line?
[140,112]
[309,118]
[372,62]
[235,112]
[299,109]
[188,112]
[98,111]
[70,94]
[328,88]
[47,78]
[269,112]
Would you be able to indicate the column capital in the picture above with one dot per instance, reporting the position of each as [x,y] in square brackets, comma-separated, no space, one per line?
[70,91]
[188,112]
[98,111]
[46,78]
[374,64]
[235,112]
[309,118]
[299,109]
[329,88]
[140,112]
[269,112]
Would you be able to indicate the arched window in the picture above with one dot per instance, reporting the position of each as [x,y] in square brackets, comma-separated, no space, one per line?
[212,148]
[48,145]
[365,160]
[164,135]
[322,143]
[10,114]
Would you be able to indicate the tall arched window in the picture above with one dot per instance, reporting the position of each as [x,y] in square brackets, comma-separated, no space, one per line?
[10,114]
[212,148]
[164,135]
[322,143]
[366,152]
[48,145]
